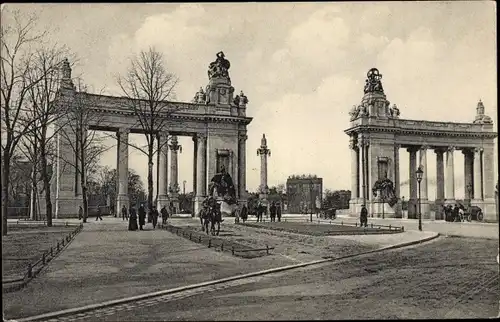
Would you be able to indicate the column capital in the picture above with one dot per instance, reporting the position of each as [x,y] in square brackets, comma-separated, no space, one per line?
[412,149]
[363,142]
[397,146]
[450,148]
[439,150]
[242,137]
[478,149]
[467,151]
[163,135]
[423,147]
[352,144]
[200,137]
[124,130]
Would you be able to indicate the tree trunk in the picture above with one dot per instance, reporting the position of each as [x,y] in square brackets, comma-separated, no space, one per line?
[5,188]
[46,186]
[85,203]
[83,182]
[150,181]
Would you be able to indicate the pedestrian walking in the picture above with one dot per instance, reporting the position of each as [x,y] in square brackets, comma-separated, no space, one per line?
[278,211]
[80,213]
[99,215]
[272,211]
[244,213]
[154,216]
[124,213]
[132,223]
[164,215]
[142,217]
[364,216]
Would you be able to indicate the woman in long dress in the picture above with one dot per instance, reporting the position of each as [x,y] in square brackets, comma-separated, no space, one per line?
[132,223]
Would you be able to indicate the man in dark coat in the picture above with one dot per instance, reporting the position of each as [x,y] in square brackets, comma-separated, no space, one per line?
[164,215]
[132,224]
[364,216]
[272,211]
[154,216]
[142,217]
[244,213]
[124,213]
[80,213]
[278,211]
[99,215]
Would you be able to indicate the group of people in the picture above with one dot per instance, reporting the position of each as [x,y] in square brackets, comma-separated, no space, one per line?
[132,215]
[454,213]
[275,211]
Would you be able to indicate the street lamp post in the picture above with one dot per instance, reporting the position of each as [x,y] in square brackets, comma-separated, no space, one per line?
[382,197]
[311,200]
[419,173]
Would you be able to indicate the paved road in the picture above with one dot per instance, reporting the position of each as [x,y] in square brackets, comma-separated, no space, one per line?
[447,278]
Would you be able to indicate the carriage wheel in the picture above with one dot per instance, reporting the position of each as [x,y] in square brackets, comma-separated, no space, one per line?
[480,216]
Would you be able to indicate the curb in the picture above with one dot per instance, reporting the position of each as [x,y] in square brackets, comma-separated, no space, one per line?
[57,314]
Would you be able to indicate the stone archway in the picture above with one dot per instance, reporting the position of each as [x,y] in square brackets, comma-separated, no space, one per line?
[215,120]
[377,133]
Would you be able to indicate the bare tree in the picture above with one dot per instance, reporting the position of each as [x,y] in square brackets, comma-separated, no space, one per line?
[18,40]
[149,87]
[85,145]
[47,62]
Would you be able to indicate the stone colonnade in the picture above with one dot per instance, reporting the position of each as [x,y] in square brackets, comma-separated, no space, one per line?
[168,192]
[478,175]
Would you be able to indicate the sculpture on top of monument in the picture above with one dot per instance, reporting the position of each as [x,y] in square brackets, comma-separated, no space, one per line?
[373,82]
[220,67]
[240,99]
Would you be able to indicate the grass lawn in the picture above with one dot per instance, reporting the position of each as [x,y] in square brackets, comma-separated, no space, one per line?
[25,244]
[320,229]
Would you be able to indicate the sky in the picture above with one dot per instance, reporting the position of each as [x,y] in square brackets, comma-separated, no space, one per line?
[301,65]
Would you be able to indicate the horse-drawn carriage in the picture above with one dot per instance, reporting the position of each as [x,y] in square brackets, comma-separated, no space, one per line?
[473,213]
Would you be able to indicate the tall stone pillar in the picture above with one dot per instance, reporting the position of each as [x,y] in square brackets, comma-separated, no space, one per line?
[353,203]
[195,155]
[122,170]
[162,170]
[468,158]
[450,177]
[489,178]
[174,173]
[412,201]
[477,176]
[439,184]
[397,182]
[242,166]
[424,199]
[264,152]
[201,170]
[362,170]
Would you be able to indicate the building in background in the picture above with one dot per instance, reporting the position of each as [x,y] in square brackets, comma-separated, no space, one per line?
[303,192]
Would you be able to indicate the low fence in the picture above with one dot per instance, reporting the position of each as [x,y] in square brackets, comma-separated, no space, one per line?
[218,243]
[341,223]
[34,268]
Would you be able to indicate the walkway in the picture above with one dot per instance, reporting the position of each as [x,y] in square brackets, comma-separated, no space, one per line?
[106,261]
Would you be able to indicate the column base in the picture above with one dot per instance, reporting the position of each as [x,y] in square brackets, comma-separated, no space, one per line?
[438,213]
[122,200]
[489,208]
[425,209]
[412,209]
[174,202]
[162,201]
[355,207]
[382,210]
[198,201]
[67,207]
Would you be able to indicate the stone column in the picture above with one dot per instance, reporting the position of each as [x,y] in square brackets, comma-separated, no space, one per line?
[489,181]
[398,213]
[242,148]
[412,201]
[450,177]
[264,152]
[162,170]
[354,169]
[424,198]
[174,173]
[477,176]
[467,175]
[122,170]
[195,154]
[439,184]
[361,170]
[201,170]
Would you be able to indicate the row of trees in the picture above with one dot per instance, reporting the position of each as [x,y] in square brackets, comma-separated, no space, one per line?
[30,82]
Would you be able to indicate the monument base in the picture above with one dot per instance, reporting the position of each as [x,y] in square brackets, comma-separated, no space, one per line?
[122,200]
[162,201]
[67,207]
[174,202]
